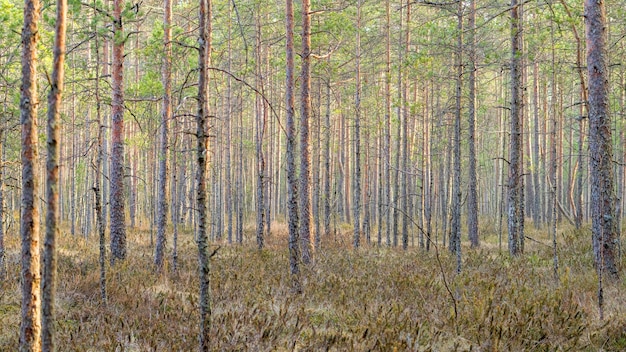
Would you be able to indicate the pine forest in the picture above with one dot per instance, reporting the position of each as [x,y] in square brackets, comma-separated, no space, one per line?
[343,175]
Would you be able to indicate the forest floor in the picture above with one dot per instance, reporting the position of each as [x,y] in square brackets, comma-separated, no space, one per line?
[372,299]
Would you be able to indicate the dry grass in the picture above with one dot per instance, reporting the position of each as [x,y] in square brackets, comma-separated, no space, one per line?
[371,299]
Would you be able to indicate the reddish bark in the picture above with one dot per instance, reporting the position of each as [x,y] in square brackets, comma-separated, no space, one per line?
[117,214]
[30,328]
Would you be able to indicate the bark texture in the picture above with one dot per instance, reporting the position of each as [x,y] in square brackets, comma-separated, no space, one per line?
[455,224]
[52,184]
[98,194]
[30,328]
[260,121]
[292,185]
[3,263]
[603,216]
[357,135]
[117,214]
[204,61]
[166,115]
[305,150]
[472,191]
[515,195]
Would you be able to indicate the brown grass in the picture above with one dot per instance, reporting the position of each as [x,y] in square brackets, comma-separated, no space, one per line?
[370,299]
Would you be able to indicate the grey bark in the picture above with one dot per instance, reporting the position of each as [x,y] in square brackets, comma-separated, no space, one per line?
[307,245]
[204,60]
[472,195]
[292,185]
[455,224]
[405,142]
[515,161]
[603,218]
[228,119]
[98,207]
[536,164]
[357,137]
[396,182]
[327,179]
[387,152]
[166,116]
[261,120]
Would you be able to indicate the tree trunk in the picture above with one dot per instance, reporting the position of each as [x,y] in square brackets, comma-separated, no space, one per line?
[396,182]
[259,136]
[30,328]
[98,208]
[327,179]
[118,220]
[515,160]
[405,141]
[52,184]
[387,152]
[472,195]
[455,225]
[357,137]
[240,187]
[536,164]
[3,263]
[305,158]
[204,61]
[292,186]
[228,120]
[604,226]
[315,172]
[166,115]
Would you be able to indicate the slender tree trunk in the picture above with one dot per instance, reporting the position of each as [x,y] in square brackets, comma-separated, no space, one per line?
[603,217]
[315,172]
[73,153]
[472,195]
[341,168]
[536,164]
[367,195]
[240,185]
[259,136]
[305,150]
[405,142]
[292,186]
[269,148]
[100,225]
[427,166]
[327,179]
[52,181]
[515,160]
[396,189]
[229,119]
[30,328]
[578,201]
[387,152]
[166,116]
[357,137]
[174,199]
[522,111]
[551,177]
[118,219]
[3,263]
[204,61]
[455,226]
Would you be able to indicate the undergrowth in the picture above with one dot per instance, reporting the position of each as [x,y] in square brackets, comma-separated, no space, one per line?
[371,299]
